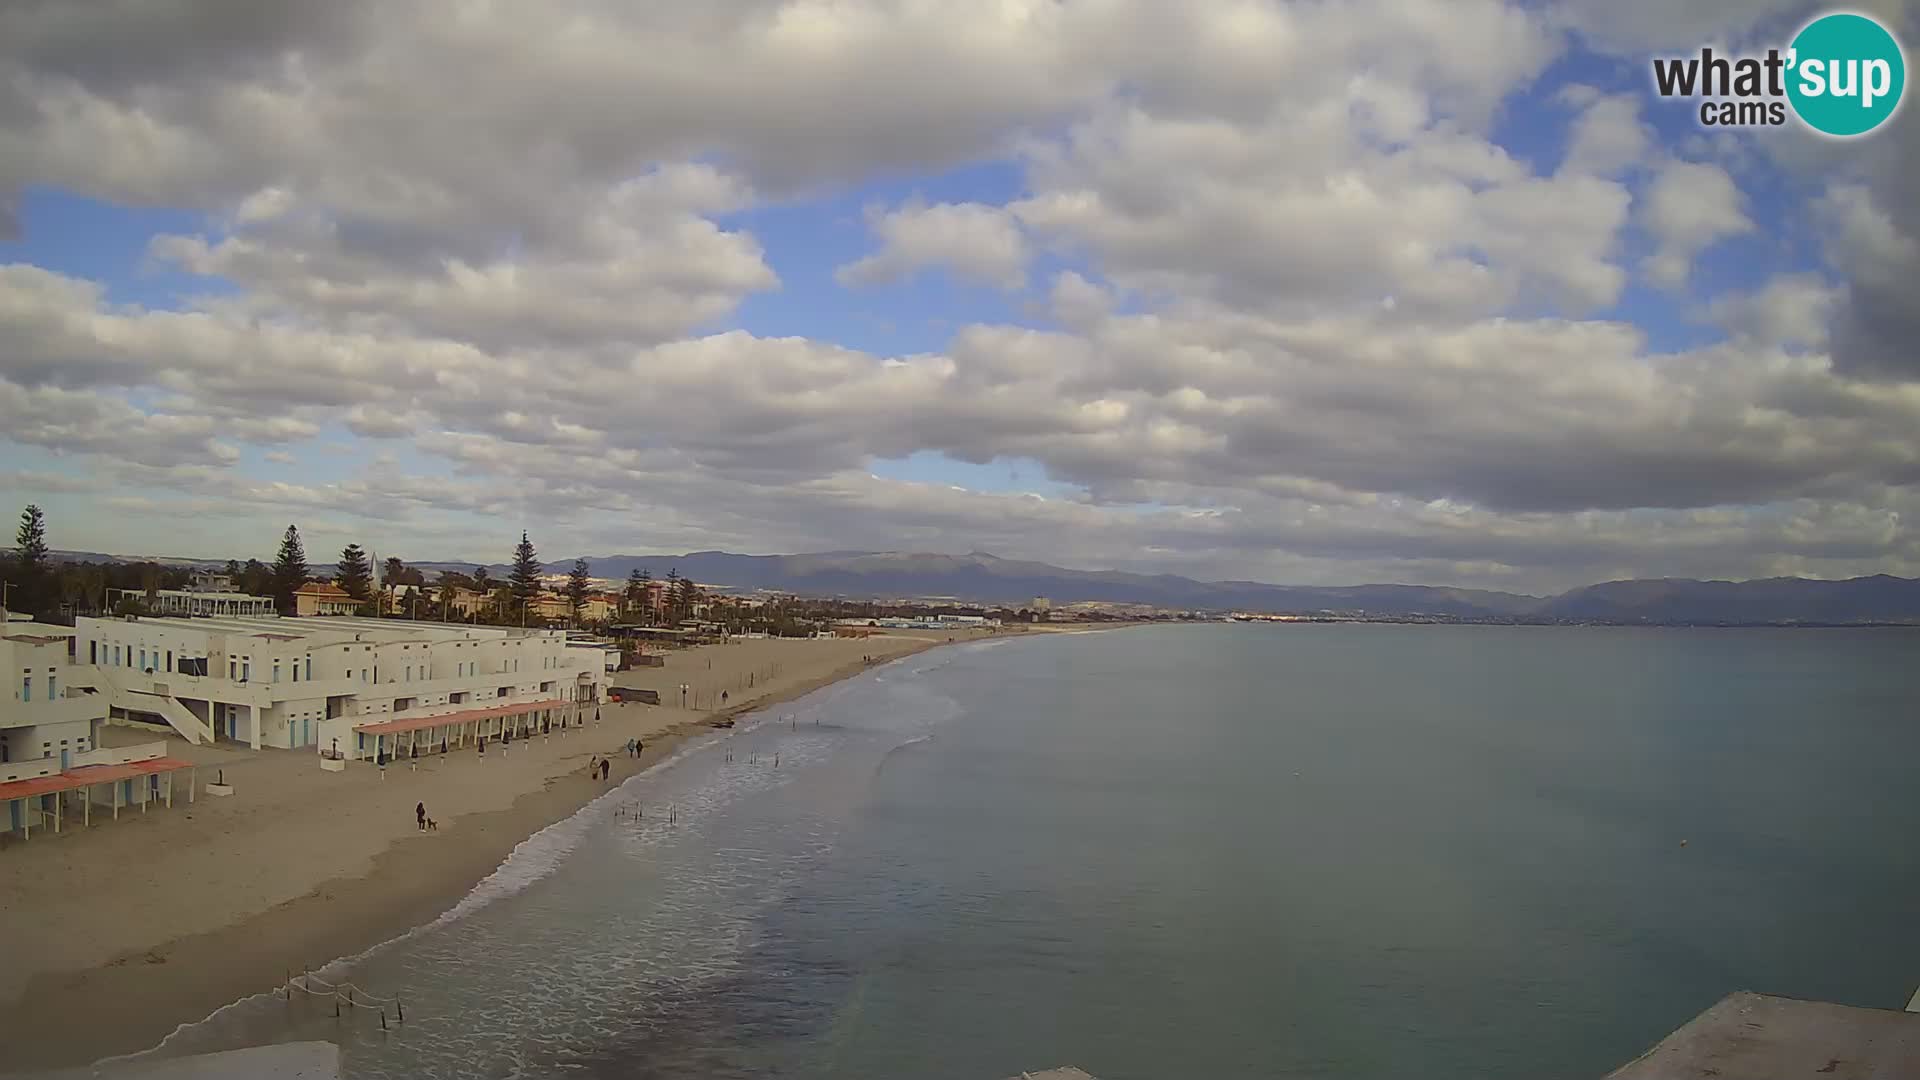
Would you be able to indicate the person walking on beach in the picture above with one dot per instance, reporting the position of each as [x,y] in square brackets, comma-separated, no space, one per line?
[420,815]
[606,768]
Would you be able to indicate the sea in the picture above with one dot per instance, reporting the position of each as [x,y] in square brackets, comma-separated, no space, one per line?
[1224,850]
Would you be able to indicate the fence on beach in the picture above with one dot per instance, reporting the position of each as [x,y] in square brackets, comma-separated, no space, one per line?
[346,997]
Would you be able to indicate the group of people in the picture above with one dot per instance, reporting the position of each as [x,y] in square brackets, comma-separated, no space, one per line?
[603,767]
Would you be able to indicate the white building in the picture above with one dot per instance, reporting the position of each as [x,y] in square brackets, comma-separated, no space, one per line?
[343,683]
[194,602]
[45,718]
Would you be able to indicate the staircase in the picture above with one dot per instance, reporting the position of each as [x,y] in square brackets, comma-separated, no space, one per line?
[165,706]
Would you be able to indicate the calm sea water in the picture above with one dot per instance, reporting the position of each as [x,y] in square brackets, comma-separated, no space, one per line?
[1260,851]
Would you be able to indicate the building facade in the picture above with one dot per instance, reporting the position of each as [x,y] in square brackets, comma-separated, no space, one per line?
[293,683]
[323,598]
[46,718]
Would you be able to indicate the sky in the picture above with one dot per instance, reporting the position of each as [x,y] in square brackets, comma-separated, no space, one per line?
[1426,291]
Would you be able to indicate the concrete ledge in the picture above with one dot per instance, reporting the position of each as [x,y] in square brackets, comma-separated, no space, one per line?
[219,789]
[333,764]
[1753,1037]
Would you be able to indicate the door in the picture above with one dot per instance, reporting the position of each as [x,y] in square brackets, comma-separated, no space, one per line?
[63,759]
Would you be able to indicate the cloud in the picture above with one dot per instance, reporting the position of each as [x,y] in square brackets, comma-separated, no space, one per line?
[1690,206]
[978,243]
[1320,323]
[1608,136]
[1790,310]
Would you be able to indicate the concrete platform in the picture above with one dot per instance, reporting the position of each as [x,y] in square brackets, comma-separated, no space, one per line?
[1756,1037]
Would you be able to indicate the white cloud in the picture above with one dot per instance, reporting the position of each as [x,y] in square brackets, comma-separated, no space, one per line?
[1690,206]
[979,243]
[1608,136]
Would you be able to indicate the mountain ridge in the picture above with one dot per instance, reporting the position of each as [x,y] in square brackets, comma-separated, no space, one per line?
[984,578]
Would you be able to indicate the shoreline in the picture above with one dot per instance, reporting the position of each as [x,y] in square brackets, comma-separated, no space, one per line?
[140,996]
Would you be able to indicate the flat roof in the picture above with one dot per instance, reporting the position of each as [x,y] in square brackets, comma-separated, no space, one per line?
[88,775]
[415,723]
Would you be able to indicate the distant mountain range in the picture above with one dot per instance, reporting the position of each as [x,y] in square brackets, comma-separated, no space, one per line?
[987,579]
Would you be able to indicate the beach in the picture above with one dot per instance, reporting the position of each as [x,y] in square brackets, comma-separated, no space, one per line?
[162,917]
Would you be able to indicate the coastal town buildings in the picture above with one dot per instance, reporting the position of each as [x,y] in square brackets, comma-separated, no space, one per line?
[323,598]
[339,683]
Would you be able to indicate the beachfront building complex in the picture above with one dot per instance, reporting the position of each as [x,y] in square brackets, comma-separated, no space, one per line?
[52,767]
[329,683]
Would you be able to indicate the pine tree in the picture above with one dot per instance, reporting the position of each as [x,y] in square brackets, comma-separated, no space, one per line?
[689,595]
[30,560]
[672,594]
[525,577]
[636,592]
[289,569]
[579,584]
[354,576]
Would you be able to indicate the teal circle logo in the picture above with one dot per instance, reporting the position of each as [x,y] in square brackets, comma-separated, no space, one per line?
[1847,74]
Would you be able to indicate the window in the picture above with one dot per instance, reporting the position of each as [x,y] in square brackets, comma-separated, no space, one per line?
[26,688]
[116,657]
[143,659]
[169,659]
[246,670]
[409,672]
[309,669]
[233,668]
[53,688]
[276,669]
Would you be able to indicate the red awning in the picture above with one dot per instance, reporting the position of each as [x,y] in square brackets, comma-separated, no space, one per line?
[416,723]
[88,775]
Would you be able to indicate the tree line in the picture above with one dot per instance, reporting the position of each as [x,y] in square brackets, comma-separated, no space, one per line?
[33,582]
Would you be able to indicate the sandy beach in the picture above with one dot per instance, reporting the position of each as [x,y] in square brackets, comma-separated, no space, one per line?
[160,918]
